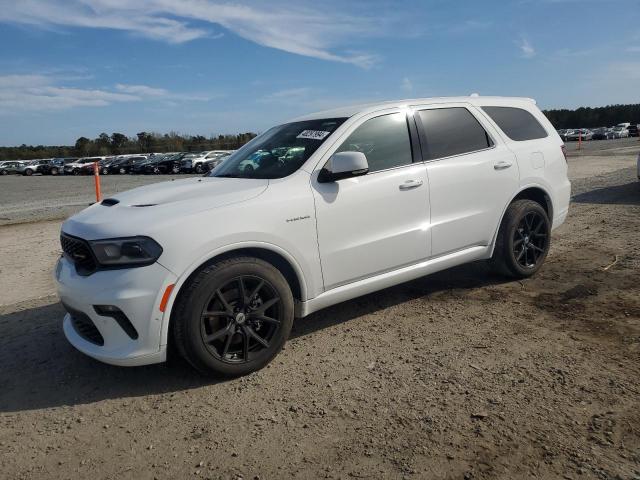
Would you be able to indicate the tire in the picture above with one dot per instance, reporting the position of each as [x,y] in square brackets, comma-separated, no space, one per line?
[104,171]
[523,240]
[28,172]
[76,171]
[54,171]
[198,169]
[3,172]
[233,351]
[122,171]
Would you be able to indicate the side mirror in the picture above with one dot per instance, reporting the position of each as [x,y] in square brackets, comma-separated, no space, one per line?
[344,165]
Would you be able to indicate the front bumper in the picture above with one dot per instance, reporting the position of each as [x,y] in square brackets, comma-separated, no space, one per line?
[137,292]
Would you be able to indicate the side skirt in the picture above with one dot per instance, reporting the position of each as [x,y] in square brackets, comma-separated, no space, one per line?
[389,279]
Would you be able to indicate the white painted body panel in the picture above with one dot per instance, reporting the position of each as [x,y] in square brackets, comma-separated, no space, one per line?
[342,239]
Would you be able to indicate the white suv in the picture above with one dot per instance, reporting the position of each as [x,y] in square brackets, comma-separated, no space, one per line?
[336,205]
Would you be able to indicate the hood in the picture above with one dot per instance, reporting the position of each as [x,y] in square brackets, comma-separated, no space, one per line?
[145,209]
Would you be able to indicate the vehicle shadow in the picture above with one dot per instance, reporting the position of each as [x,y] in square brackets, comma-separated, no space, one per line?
[627,194]
[40,369]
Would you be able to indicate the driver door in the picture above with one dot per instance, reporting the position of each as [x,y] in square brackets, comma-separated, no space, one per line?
[378,222]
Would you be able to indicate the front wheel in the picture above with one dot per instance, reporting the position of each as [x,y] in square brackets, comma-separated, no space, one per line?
[28,172]
[523,239]
[234,317]
[199,169]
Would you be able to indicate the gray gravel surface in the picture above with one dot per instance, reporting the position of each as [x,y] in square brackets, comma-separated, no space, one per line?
[37,198]
[460,375]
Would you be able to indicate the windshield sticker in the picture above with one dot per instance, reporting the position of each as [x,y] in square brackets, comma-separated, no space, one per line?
[314,134]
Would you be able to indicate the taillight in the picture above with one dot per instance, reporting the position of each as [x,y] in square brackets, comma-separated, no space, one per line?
[564,152]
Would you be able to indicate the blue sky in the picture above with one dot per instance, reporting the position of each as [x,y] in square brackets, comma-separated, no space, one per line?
[71,68]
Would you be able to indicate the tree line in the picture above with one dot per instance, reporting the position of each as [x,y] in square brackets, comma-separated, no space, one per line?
[144,142]
[588,117]
[119,144]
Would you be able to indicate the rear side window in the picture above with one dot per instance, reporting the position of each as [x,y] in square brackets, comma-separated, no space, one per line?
[451,131]
[516,123]
[384,140]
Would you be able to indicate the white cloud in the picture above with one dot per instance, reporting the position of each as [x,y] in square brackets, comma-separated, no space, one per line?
[35,92]
[290,94]
[526,48]
[301,28]
[406,85]
[142,90]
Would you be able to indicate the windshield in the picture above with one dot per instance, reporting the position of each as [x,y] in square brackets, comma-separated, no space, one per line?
[279,151]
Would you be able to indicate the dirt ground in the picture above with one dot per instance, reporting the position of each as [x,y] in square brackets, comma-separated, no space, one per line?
[460,375]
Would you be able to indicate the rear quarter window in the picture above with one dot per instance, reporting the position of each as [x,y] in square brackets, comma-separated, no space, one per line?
[516,123]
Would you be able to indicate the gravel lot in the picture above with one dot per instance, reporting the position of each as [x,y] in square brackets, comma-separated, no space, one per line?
[460,375]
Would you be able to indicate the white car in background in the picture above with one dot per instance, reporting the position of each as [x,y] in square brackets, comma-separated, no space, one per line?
[620,131]
[73,168]
[362,198]
[196,162]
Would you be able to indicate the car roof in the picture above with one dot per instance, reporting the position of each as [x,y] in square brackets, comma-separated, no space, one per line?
[477,100]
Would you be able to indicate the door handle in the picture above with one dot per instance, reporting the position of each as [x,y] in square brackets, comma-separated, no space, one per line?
[410,184]
[501,165]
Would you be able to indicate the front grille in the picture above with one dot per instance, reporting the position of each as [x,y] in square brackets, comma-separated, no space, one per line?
[84,326]
[79,252]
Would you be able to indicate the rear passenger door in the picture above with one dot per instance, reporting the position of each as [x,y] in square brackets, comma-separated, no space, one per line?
[472,175]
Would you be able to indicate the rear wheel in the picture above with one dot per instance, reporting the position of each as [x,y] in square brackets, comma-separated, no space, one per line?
[54,171]
[523,239]
[234,317]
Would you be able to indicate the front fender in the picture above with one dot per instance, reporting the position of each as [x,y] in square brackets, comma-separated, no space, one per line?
[182,279]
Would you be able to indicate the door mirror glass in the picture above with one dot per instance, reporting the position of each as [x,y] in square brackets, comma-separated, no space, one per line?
[344,165]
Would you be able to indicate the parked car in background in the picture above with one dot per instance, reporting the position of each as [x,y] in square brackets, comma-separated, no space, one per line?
[165,164]
[11,168]
[53,166]
[125,165]
[368,197]
[214,162]
[32,167]
[580,134]
[141,167]
[602,133]
[73,168]
[195,162]
[620,131]
[633,130]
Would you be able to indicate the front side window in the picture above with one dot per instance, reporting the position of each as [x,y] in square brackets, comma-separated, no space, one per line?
[384,140]
[452,131]
[279,151]
[516,123]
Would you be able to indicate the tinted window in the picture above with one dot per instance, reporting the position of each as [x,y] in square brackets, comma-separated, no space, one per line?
[516,123]
[452,131]
[384,140]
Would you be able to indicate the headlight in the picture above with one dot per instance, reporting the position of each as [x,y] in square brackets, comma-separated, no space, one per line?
[130,251]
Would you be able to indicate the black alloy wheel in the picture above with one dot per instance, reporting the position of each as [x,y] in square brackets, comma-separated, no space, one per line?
[523,239]
[233,317]
[241,319]
[530,239]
